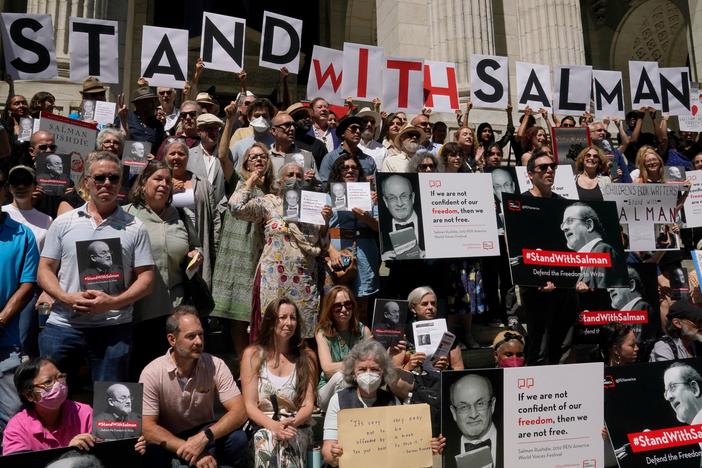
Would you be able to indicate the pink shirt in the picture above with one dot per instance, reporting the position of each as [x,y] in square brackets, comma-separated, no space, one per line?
[183,403]
[25,432]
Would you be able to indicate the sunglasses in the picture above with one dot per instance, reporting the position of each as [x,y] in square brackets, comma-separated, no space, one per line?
[102,178]
[165,93]
[256,156]
[338,306]
[286,125]
[546,166]
[46,147]
[191,114]
[21,181]
[353,168]
[353,128]
[424,167]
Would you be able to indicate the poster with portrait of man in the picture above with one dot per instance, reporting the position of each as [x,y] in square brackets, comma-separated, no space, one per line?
[53,173]
[504,180]
[568,142]
[565,242]
[135,154]
[100,265]
[436,215]
[389,321]
[291,204]
[117,410]
[653,413]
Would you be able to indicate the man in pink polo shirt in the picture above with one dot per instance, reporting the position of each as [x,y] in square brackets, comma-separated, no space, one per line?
[179,393]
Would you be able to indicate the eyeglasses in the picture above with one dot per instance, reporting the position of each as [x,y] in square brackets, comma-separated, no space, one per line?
[348,168]
[285,125]
[165,93]
[256,156]
[479,405]
[569,221]
[44,147]
[50,383]
[338,306]
[369,122]
[546,166]
[672,386]
[102,178]
[567,125]
[191,114]
[594,155]
[404,198]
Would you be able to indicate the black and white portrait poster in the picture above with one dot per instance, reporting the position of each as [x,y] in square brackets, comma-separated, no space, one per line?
[389,320]
[564,242]
[87,111]
[291,204]
[568,142]
[53,173]
[100,265]
[675,174]
[135,153]
[646,213]
[436,216]
[117,410]
[654,413]
[504,180]
[338,196]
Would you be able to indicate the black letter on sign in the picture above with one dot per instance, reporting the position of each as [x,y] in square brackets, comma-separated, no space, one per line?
[43,57]
[682,95]
[171,69]
[601,92]
[650,92]
[482,72]
[563,102]
[533,82]
[233,50]
[94,31]
[267,56]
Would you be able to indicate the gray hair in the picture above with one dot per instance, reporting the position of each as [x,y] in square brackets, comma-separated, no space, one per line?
[97,156]
[173,142]
[190,103]
[416,295]
[420,156]
[115,132]
[364,350]
[173,320]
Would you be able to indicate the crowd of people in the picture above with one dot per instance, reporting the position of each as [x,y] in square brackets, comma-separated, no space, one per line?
[126,271]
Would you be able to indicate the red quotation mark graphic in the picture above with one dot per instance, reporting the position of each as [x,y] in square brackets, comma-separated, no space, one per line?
[434,183]
[525,383]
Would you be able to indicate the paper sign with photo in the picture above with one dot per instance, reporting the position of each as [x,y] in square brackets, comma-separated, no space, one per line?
[87,111]
[428,335]
[26,126]
[100,265]
[104,112]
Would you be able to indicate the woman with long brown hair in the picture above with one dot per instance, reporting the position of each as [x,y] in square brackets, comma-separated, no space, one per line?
[278,378]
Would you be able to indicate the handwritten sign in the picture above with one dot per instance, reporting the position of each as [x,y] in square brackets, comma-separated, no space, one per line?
[388,436]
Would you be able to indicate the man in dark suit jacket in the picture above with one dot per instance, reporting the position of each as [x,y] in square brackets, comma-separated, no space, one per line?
[398,197]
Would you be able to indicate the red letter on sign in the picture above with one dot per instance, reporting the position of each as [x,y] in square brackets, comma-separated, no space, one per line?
[322,77]
[404,68]
[451,90]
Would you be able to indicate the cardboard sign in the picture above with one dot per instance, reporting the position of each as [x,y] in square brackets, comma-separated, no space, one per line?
[489,80]
[389,436]
[576,242]
[164,56]
[222,42]
[28,45]
[692,122]
[693,202]
[675,90]
[93,46]
[135,153]
[436,215]
[281,39]
[71,137]
[100,265]
[53,173]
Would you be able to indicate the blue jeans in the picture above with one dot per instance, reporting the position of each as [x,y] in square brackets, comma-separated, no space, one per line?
[229,451]
[107,350]
[29,327]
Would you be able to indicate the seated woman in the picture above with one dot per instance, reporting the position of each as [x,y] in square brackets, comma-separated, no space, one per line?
[618,344]
[366,368]
[278,377]
[509,349]
[48,419]
[338,330]
[682,329]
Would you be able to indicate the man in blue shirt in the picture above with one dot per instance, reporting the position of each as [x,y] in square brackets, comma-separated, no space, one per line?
[349,129]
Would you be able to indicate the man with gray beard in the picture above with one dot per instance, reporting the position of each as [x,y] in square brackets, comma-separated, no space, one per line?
[408,141]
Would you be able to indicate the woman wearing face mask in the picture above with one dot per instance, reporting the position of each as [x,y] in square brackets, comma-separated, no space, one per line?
[618,344]
[682,330]
[366,368]
[63,423]
[288,263]
[278,378]
[509,349]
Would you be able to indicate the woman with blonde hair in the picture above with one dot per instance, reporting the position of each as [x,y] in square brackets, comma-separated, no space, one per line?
[650,165]
[591,169]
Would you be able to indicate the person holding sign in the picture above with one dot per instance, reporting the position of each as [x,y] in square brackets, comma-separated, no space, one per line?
[591,168]
[349,130]
[683,329]
[650,165]
[288,263]
[355,230]
[534,139]
[338,330]
[15,110]
[278,377]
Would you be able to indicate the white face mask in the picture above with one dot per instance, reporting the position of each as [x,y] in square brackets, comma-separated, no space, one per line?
[369,381]
[260,125]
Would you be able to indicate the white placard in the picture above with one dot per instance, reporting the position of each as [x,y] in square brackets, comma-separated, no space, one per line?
[311,204]
[693,202]
[572,85]
[608,92]
[325,75]
[28,45]
[359,196]
[104,112]
[675,90]
[403,85]
[533,86]
[281,39]
[489,80]
[692,122]
[563,182]
[644,84]
[440,86]
[93,46]
[164,56]
[428,335]
[363,67]
[222,42]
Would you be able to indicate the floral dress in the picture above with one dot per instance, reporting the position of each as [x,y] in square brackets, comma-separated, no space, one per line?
[289,262]
[268,452]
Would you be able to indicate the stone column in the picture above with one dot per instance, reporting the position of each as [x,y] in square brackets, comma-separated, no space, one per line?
[550,32]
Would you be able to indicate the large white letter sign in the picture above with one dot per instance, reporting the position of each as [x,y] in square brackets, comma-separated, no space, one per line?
[608,93]
[403,85]
[281,39]
[533,86]
[489,81]
[675,90]
[28,43]
[440,86]
[325,75]
[644,83]
[572,89]
[222,44]
[94,49]
[164,56]
[363,72]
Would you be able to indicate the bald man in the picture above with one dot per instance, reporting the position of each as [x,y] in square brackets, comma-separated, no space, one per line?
[398,200]
[101,264]
[119,410]
[472,407]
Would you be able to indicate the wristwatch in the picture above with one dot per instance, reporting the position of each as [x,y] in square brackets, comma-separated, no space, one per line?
[208,433]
